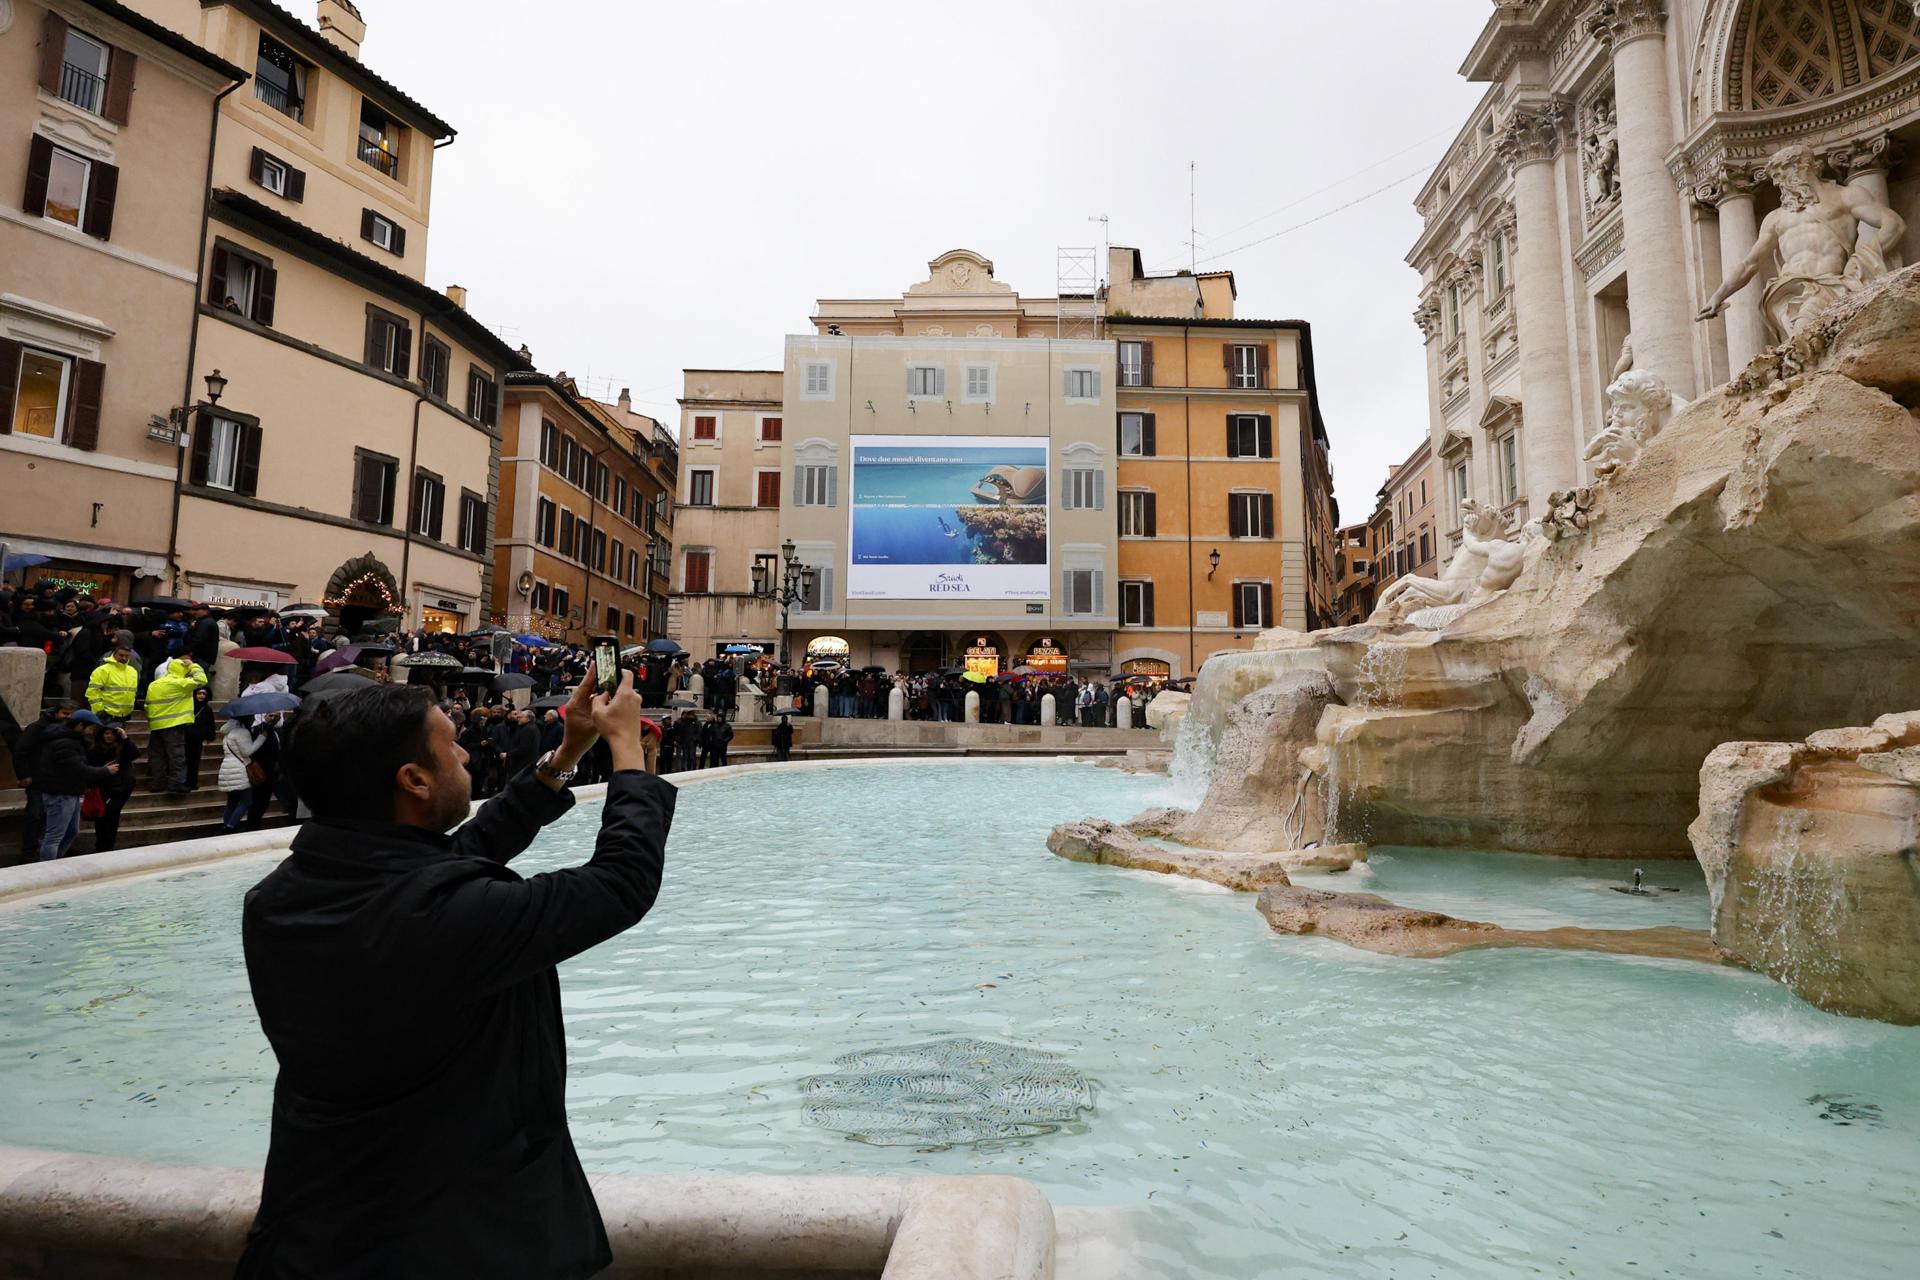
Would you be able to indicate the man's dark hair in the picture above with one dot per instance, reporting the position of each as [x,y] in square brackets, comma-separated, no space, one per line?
[345,751]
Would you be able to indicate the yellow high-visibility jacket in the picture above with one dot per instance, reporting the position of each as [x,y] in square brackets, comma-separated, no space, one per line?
[110,691]
[170,696]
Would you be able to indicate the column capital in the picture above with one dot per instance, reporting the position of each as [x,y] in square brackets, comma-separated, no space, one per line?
[1532,134]
[1618,22]
[1877,153]
[1727,180]
[1427,316]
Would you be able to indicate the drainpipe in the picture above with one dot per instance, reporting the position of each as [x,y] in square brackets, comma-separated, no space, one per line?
[193,344]
[1186,359]
[413,462]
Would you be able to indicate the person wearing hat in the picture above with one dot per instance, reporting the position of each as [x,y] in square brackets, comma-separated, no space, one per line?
[170,715]
[113,746]
[111,690]
[203,636]
[63,775]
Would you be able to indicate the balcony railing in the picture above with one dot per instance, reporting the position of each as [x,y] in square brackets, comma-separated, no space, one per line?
[375,153]
[279,99]
[82,88]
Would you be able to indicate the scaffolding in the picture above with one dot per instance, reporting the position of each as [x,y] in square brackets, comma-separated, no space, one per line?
[1077,309]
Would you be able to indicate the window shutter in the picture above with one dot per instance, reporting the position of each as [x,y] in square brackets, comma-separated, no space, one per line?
[217,278]
[202,449]
[1147,605]
[53,51]
[1263,430]
[1266,604]
[296,185]
[1233,436]
[1226,358]
[1148,444]
[823,576]
[1261,366]
[102,190]
[257,167]
[83,414]
[403,352]
[39,169]
[1099,590]
[437,494]
[1146,362]
[372,498]
[399,240]
[833,486]
[1236,606]
[374,326]
[1236,516]
[1153,502]
[263,295]
[9,382]
[246,476]
[1266,515]
[366,224]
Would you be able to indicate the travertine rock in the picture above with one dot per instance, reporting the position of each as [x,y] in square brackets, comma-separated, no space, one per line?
[1812,857]
[1166,710]
[1110,844]
[1267,793]
[1757,575]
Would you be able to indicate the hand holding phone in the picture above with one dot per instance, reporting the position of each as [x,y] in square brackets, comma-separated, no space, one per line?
[606,663]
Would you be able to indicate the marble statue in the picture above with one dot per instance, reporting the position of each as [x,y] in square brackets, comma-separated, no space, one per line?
[1816,232]
[1601,155]
[1639,405]
[1488,561]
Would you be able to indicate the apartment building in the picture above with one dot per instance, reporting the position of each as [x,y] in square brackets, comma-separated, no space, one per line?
[107,122]
[581,517]
[732,429]
[1412,539]
[1355,555]
[352,453]
[656,481]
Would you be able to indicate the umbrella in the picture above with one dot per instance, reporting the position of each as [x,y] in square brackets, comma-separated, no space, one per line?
[510,681]
[317,696]
[484,630]
[338,680]
[22,560]
[664,645]
[476,673]
[261,704]
[164,603]
[633,651]
[879,671]
[431,658]
[265,657]
[381,624]
[744,648]
[311,610]
[974,677]
[1024,670]
[551,702]
[531,641]
[952,671]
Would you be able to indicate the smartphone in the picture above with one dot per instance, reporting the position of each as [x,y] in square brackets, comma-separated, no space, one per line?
[606,663]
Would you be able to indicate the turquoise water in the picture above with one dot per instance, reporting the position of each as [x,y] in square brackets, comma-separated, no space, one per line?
[1263,1106]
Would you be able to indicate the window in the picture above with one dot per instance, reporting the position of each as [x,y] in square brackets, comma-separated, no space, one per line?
[473,523]
[599,544]
[389,342]
[1249,435]
[1460,491]
[539,597]
[383,232]
[1082,384]
[633,568]
[1451,303]
[1423,493]
[1252,604]
[926,381]
[706,427]
[770,429]
[619,502]
[569,456]
[373,487]
[70,189]
[429,502]
[817,380]
[546,523]
[549,445]
[1136,604]
[277,176]
[602,477]
[979,384]
[1082,590]
[1136,435]
[41,385]
[483,398]
[1133,364]
[1250,515]
[566,532]
[815,486]
[1137,515]
[699,573]
[613,620]
[630,625]
[1426,545]
[1083,489]
[83,73]
[280,79]
[561,602]
[226,454]
[1246,364]
[700,487]
[436,363]
[1497,264]
[766,489]
[1509,469]
[379,140]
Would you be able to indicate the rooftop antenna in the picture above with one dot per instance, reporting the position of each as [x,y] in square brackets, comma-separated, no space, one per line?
[1193,235]
[1106,239]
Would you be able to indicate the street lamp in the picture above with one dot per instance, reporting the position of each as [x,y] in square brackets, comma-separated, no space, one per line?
[216,387]
[793,586]
[1213,563]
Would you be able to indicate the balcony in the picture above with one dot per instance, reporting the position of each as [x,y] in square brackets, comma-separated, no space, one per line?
[82,88]
[374,151]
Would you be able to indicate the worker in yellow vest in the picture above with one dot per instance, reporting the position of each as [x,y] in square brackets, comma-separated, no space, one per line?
[111,688]
[170,717]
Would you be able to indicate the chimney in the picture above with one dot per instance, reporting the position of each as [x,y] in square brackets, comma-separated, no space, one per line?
[626,400]
[457,294]
[342,26]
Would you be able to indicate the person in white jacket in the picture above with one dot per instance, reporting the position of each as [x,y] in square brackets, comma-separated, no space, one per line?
[236,749]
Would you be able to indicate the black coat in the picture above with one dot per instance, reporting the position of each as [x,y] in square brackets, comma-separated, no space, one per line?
[61,768]
[203,642]
[523,747]
[406,982]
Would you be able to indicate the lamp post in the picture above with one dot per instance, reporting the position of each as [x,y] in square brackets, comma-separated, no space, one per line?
[793,586]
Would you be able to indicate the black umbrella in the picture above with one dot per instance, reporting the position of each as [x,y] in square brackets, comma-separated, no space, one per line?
[484,630]
[466,674]
[663,645]
[166,603]
[551,701]
[343,680]
[318,696]
[510,681]
[430,658]
[876,670]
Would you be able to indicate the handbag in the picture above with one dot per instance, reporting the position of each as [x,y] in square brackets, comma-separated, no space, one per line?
[93,805]
[256,775]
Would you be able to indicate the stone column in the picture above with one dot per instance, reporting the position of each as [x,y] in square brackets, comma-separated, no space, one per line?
[973,707]
[1864,163]
[1650,209]
[1550,449]
[1730,189]
[821,703]
[1048,710]
[1123,714]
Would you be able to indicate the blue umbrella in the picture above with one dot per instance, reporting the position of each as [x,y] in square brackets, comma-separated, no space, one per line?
[663,645]
[531,641]
[743,648]
[22,560]
[260,704]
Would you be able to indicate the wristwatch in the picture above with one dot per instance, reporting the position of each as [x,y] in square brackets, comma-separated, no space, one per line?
[543,767]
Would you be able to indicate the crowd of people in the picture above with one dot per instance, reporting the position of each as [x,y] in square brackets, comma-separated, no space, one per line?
[1014,698]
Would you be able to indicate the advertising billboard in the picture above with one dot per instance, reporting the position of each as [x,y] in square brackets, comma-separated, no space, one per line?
[948,517]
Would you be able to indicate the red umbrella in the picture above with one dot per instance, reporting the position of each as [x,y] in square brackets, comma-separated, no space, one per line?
[265,657]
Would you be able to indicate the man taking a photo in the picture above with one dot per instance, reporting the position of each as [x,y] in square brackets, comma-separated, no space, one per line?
[405,979]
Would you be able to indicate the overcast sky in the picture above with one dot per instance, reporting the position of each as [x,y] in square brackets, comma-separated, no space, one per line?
[639,187]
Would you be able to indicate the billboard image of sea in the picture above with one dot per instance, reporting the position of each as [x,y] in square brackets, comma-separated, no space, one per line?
[928,502]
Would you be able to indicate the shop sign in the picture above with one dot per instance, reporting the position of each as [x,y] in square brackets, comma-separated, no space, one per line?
[222,596]
[58,576]
[451,606]
[1147,667]
[1209,619]
[1048,657]
[983,657]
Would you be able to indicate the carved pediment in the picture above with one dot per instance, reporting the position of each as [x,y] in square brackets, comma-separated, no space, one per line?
[960,271]
[1455,441]
[1500,410]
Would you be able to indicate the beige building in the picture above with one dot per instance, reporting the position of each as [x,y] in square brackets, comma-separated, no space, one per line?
[732,430]
[352,458]
[108,117]
[1410,545]
[1613,176]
